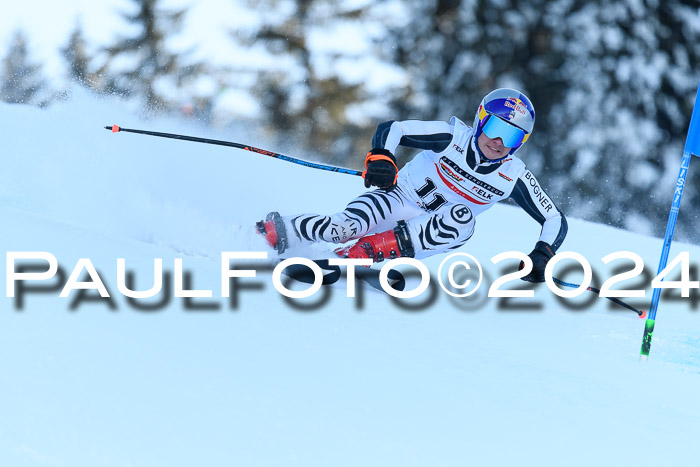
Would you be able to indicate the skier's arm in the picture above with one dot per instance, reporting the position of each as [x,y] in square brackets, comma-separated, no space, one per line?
[530,196]
[380,164]
[434,136]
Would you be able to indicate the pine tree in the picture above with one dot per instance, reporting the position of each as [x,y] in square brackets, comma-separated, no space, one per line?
[301,101]
[21,81]
[149,69]
[456,51]
[632,70]
[79,62]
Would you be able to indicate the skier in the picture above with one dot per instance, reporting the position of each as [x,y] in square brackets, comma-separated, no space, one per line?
[429,206]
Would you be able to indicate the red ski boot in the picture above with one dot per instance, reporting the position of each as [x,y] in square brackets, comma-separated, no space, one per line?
[274,231]
[389,244]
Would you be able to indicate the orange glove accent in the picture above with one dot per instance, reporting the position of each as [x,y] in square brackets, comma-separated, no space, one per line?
[380,169]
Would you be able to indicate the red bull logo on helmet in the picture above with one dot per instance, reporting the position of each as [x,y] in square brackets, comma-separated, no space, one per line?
[516,104]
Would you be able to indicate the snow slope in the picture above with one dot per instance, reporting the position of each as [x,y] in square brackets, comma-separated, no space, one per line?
[258,382]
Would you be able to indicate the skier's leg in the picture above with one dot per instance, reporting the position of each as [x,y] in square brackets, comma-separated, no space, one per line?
[445,229]
[372,211]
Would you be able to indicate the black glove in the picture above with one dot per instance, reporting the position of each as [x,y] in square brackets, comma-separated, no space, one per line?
[380,169]
[540,256]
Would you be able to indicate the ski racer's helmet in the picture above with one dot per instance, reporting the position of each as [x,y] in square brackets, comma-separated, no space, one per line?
[507,114]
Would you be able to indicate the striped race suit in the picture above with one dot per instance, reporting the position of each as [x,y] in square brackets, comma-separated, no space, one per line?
[438,193]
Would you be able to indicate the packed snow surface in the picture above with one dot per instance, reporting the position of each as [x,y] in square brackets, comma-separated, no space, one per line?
[253,380]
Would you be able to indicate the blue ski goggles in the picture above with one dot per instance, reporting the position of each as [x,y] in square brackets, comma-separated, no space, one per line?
[512,136]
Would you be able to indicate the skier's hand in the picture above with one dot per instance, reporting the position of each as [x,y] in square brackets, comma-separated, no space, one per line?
[540,256]
[380,169]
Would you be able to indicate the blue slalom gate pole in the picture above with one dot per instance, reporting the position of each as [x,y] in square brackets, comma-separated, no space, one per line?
[692,148]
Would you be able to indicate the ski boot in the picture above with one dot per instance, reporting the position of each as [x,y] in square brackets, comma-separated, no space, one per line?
[274,231]
[389,244]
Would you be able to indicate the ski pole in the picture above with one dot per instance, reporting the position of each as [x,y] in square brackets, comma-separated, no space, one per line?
[313,165]
[640,313]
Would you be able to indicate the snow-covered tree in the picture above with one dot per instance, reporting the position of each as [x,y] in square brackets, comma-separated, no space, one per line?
[78,61]
[21,81]
[143,64]
[613,83]
[308,97]
[631,73]
[456,51]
